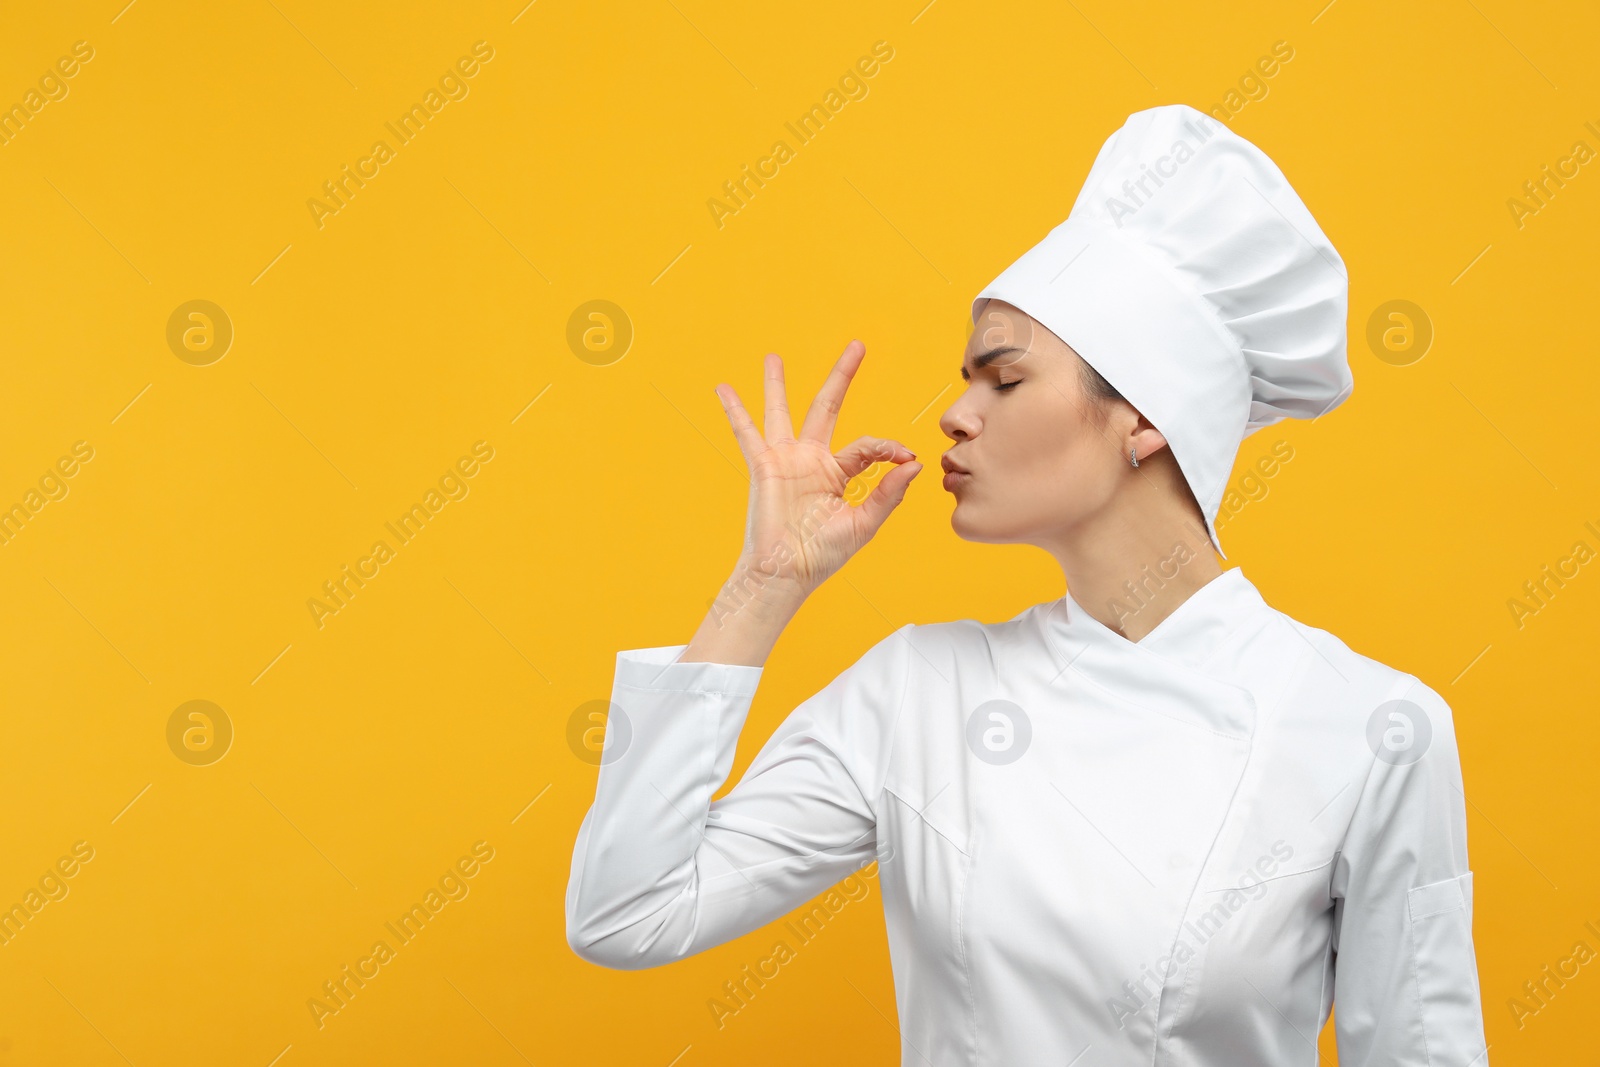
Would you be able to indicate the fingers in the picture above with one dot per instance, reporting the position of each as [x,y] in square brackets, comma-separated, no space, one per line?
[824,410]
[744,428]
[779,425]
[887,496]
[863,452]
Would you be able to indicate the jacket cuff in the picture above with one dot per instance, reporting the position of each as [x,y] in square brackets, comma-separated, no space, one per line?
[658,670]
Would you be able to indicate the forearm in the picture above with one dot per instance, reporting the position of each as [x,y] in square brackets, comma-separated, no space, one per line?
[746,619]
[642,857]
[659,870]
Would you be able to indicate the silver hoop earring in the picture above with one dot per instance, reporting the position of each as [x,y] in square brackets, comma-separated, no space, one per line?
[1133,456]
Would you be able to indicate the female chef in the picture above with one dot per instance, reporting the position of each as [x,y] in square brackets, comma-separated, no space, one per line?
[1155,821]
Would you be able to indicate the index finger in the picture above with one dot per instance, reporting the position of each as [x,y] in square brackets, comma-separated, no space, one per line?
[744,428]
[824,410]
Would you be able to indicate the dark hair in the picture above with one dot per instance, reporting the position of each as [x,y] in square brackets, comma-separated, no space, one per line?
[1097,388]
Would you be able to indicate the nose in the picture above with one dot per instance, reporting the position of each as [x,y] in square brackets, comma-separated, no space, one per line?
[959,422]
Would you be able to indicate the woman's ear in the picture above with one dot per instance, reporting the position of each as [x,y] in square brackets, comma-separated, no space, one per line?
[1147,439]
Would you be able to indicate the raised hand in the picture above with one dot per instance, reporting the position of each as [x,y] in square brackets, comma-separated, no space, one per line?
[800,529]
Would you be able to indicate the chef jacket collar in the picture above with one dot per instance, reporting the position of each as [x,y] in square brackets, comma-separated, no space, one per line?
[1194,630]
[1168,669]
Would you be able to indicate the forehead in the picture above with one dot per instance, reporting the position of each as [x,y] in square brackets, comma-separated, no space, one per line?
[1001,325]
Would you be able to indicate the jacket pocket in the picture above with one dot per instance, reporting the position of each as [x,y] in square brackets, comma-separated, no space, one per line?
[1440,924]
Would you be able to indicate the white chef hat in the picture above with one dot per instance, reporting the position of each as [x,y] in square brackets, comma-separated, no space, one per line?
[1192,277]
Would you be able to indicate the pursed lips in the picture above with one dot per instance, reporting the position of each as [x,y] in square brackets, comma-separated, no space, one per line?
[954,473]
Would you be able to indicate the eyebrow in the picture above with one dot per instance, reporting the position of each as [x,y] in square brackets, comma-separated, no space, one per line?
[983,359]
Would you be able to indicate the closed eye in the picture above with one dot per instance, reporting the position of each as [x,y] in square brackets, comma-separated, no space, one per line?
[1008,385]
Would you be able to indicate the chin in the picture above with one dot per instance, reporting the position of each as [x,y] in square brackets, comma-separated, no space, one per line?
[970,524]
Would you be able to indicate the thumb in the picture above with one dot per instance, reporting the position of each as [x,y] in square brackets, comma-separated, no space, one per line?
[887,495]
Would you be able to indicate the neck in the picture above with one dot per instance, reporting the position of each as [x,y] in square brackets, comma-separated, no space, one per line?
[1130,571]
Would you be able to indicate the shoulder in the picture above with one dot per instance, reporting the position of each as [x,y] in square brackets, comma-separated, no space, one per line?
[1371,724]
[963,642]
[955,637]
[1332,667]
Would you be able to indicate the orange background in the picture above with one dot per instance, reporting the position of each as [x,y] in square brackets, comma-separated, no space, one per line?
[429,312]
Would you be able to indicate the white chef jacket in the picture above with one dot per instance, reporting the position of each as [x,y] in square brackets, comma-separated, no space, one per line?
[1192,853]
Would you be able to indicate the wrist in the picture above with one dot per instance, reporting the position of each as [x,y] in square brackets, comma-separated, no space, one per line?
[745,620]
[759,589]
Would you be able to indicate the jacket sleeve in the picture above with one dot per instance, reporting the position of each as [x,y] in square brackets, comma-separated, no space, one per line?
[1405,976]
[659,871]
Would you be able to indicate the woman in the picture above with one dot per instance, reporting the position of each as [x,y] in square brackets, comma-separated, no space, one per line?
[1153,822]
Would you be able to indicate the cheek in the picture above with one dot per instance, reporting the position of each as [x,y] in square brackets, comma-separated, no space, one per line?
[1043,465]
[1044,446]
